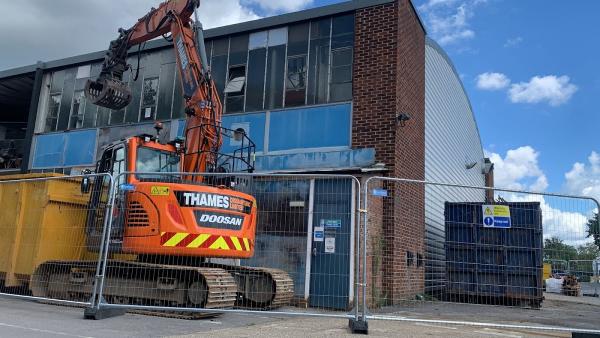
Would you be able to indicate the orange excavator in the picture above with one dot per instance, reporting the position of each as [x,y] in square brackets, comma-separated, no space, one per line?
[174,224]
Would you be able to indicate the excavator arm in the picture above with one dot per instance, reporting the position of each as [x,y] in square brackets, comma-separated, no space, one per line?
[202,103]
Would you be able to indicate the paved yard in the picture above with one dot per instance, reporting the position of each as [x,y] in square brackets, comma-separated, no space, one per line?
[28,319]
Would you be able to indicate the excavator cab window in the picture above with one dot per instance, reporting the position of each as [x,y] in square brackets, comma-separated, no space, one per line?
[152,160]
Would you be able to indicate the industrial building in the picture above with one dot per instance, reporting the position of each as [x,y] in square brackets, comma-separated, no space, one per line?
[355,88]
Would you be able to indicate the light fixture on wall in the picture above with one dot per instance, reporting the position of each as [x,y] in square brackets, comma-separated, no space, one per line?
[402,118]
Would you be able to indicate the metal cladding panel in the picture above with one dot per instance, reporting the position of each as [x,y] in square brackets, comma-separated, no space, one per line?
[452,142]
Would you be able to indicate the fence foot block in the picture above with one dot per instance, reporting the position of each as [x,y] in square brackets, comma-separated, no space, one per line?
[358,326]
[102,313]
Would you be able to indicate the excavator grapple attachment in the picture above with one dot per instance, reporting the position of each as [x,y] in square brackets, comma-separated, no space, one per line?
[108,93]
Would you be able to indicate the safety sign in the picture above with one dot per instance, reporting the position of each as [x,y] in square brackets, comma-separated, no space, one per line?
[330,245]
[319,234]
[159,191]
[496,216]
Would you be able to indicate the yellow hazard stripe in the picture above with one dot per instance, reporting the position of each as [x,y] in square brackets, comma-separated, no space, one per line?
[236,243]
[219,244]
[176,239]
[198,241]
[247,243]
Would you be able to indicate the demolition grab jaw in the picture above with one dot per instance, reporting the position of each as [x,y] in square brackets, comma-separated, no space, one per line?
[108,93]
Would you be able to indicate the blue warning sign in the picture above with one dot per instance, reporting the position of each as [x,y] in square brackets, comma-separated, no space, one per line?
[496,216]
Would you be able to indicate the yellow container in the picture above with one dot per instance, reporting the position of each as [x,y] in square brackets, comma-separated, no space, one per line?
[547,270]
[40,221]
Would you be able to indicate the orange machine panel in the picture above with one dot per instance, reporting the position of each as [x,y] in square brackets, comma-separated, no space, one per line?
[192,220]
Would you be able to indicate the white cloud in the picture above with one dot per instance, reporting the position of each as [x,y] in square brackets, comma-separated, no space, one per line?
[492,81]
[448,20]
[512,42]
[584,178]
[279,6]
[551,89]
[518,170]
[558,218]
[433,3]
[34,30]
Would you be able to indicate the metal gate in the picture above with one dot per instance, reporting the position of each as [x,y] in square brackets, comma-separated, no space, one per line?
[448,253]
[305,239]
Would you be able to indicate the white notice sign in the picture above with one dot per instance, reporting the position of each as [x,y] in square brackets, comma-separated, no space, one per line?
[329,244]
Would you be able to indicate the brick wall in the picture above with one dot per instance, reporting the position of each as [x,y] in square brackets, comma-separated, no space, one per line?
[389,78]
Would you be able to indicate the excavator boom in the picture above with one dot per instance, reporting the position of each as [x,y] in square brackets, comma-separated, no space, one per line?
[202,103]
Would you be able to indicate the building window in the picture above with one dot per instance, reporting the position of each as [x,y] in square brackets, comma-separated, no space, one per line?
[341,75]
[256,79]
[276,57]
[235,89]
[149,98]
[77,110]
[295,89]
[219,64]
[318,70]
[53,109]
[295,85]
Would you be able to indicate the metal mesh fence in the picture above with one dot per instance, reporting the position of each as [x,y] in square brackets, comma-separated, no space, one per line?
[181,244]
[429,244]
[45,231]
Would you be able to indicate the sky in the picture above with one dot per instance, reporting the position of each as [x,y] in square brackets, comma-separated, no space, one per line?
[529,67]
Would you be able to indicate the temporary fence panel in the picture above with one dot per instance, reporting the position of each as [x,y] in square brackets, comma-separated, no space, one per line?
[190,247]
[429,244]
[47,224]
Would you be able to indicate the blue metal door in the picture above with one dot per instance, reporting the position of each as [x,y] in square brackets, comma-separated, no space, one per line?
[330,267]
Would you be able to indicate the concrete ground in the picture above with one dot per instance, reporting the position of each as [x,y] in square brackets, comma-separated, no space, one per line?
[20,318]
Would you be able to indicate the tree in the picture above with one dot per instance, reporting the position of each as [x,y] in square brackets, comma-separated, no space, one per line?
[593,229]
[588,252]
[555,248]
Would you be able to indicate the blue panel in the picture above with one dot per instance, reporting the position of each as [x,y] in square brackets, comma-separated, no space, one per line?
[326,126]
[254,122]
[80,148]
[359,158]
[48,151]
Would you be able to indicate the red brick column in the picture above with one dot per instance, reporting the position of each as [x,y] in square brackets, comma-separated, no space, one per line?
[389,78]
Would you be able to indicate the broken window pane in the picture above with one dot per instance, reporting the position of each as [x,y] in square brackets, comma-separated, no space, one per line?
[235,89]
[77,110]
[52,116]
[149,98]
[295,94]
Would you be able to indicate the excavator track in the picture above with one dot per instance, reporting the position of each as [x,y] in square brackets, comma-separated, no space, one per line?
[138,284]
[210,286]
[261,288]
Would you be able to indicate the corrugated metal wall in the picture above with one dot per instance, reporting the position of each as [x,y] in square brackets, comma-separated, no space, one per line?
[452,142]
